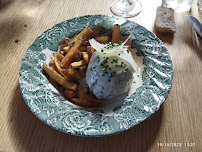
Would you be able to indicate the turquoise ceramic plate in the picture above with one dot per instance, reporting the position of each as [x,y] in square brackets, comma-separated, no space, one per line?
[63,116]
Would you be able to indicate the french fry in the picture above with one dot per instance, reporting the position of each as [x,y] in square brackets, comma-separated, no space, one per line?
[53,66]
[66,49]
[64,72]
[95,32]
[102,39]
[85,103]
[52,62]
[90,51]
[68,73]
[69,93]
[71,44]
[78,64]
[115,33]
[54,83]
[85,56]
[58,56]
[69,57]
[59,79]
[77,55]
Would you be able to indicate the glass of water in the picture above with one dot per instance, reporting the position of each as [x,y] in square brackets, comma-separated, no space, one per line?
[178,5]
[126,8]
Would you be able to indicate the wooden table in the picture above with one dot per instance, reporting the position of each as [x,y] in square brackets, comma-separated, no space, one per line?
[178,121]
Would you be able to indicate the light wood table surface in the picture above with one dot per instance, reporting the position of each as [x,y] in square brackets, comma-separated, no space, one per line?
[179,120]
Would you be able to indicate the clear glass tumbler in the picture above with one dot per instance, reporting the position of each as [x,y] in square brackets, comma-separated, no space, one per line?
[126,8]
[178,5]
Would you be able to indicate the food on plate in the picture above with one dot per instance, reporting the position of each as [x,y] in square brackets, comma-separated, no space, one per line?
[102,39]
[92,66]
[115,33]
[165,21]
[75,44]
[59,79]
[110,70]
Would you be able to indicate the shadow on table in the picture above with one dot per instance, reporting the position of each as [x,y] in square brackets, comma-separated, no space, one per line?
[30,134]
[164,37]
[194,44]
[12,30]
[5,3]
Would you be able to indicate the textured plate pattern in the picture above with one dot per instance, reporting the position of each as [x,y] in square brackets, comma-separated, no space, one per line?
[63,116]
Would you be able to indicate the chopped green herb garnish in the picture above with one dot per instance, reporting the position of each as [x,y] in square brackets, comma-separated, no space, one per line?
[123,64]
[95,66]
[106,66]
[124,71]
[104,71]
[111,75]
[115,60]
[120,42]
[127,51]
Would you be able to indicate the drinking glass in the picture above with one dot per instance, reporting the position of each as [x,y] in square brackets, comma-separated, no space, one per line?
[126,8]
[178,5]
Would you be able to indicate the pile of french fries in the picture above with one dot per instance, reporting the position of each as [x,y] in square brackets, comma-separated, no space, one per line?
[64,70]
